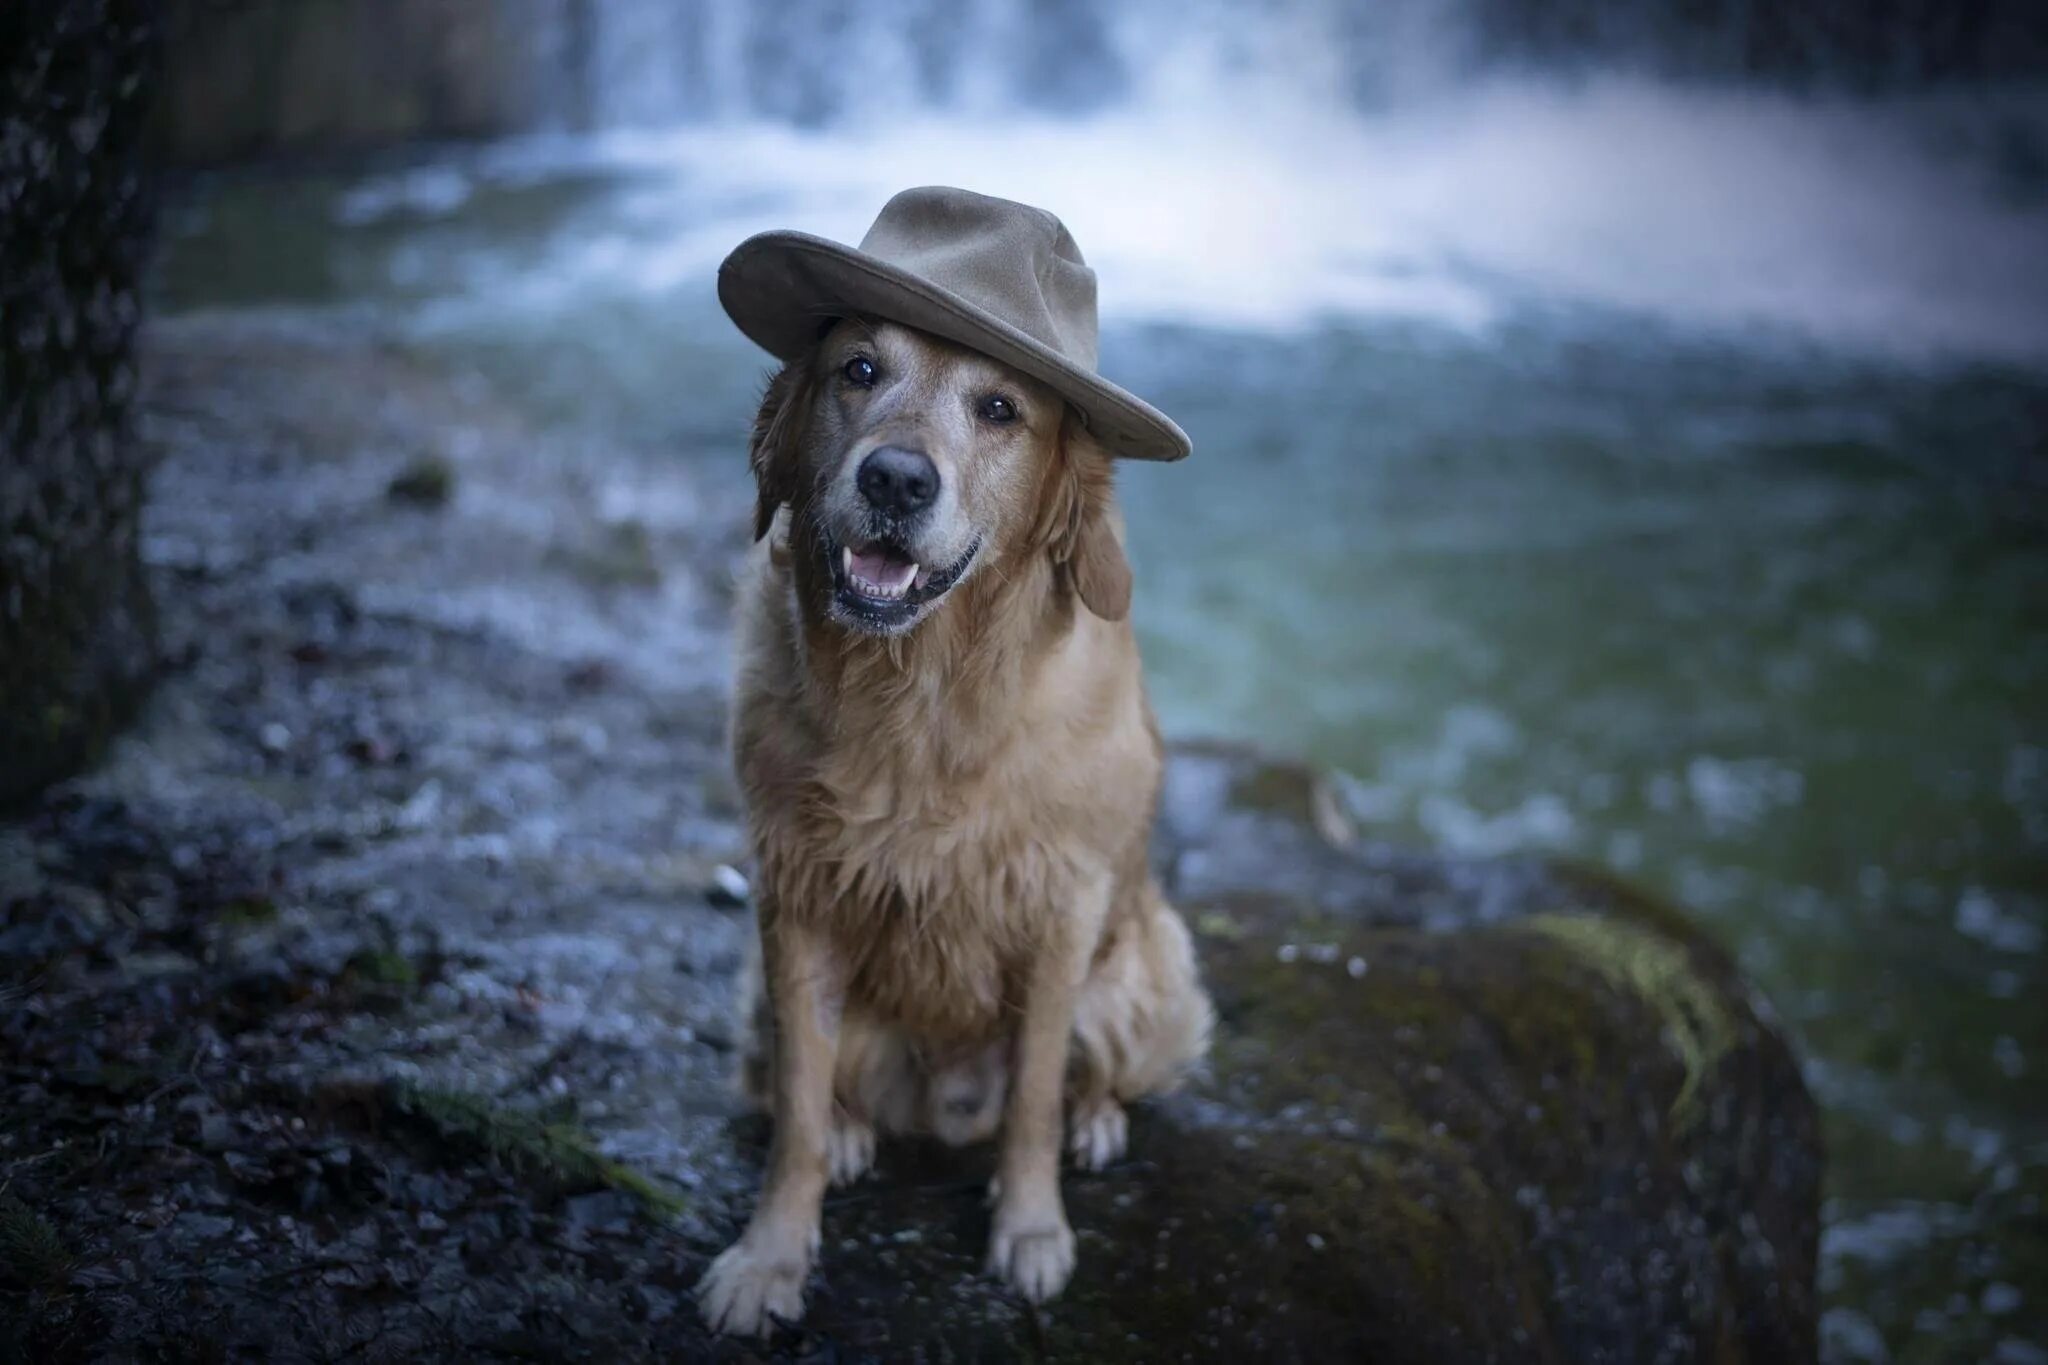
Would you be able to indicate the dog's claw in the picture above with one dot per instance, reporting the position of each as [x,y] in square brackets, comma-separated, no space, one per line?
[746,1291]
[850,1150]
[1101,1133]
[1036,1261]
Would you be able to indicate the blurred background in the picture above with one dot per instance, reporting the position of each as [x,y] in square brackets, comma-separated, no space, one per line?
[1621,429]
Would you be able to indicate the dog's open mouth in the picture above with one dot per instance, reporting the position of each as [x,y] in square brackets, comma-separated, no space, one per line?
[878,583]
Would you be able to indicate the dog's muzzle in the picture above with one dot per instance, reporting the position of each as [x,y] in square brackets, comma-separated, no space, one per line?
[877,586]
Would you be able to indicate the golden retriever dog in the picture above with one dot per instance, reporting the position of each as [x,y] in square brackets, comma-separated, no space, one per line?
[950,768]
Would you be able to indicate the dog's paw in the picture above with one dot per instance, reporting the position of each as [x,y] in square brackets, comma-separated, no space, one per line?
[749,1289]
[850,1150]
[1035,1258]
[1100,1134]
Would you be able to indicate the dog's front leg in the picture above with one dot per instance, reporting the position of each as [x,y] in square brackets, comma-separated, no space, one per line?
[760,1278]
[1031,1245]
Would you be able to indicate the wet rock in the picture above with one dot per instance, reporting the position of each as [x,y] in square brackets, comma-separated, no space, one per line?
[728,889]
[428,481]
[656,1305]
[204,1227]
[608,1211]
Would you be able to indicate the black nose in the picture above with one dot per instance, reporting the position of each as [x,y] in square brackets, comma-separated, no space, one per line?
[898,481]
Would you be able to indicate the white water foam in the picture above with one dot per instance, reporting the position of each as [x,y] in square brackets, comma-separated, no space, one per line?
[1851,224]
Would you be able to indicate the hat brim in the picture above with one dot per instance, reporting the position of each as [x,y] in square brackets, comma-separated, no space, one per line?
[777,287]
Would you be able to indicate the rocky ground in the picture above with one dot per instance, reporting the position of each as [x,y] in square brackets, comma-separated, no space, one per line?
[373,999]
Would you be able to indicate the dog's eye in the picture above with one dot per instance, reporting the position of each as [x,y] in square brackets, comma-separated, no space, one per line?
[859,371]
[998,409]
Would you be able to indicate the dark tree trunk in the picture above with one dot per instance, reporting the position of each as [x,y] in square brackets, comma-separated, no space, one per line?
[76,629]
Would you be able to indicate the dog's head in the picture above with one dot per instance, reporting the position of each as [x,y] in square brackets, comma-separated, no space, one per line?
[910,464]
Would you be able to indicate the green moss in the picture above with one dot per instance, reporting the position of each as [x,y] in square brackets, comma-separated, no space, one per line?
[32,1255]
[1600,887]
[560,1154]
[622,556]
[1660,973]
[1421,1195]
[383,967]
[249,910]
[1545,1022]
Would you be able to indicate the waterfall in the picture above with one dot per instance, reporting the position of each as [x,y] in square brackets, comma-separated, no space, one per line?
[816,63]
[1286,163]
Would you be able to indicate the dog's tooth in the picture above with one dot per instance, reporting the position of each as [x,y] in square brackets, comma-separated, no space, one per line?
[846,559]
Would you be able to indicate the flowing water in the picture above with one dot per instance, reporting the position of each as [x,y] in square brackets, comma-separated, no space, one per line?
[1655,474]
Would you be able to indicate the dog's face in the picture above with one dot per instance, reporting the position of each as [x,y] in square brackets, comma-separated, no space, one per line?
[910,463]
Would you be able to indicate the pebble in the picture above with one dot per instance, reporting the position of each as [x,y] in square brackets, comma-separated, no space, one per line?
[728,889]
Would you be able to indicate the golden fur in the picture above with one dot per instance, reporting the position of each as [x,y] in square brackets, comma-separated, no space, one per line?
[959,928]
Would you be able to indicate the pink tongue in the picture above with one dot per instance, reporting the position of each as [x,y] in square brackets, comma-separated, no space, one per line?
[882,567]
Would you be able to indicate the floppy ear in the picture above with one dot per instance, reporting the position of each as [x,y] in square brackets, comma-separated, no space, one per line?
[778,427]
[1086,533]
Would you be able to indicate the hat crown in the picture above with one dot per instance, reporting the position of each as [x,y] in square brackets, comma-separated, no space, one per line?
[1001,278]
[1014,261]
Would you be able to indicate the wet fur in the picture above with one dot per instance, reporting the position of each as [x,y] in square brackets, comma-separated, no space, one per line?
[948,814]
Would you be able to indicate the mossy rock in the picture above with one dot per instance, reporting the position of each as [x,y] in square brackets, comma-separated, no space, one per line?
[1555,1128]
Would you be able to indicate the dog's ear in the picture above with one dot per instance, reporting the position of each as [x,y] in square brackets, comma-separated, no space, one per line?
[778,428]
[1083,530]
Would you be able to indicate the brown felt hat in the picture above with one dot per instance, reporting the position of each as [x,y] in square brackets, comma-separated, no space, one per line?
[1003,278]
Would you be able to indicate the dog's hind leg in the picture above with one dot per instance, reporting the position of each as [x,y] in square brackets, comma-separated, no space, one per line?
[1098,1131]
[876,1090]
[1142,1020]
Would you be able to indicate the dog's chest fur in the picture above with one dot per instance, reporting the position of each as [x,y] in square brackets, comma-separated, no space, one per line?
[935,894]
[943,819]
